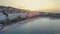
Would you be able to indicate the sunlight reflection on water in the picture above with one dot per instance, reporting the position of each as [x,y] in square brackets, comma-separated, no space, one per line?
[38,26]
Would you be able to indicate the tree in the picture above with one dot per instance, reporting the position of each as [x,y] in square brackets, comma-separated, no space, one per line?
[7,20]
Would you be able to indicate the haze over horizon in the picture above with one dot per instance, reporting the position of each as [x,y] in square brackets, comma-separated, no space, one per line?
[33,4]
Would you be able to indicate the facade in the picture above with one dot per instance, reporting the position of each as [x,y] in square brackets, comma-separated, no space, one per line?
[2,17]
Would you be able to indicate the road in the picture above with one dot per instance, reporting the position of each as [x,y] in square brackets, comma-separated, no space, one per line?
[35,26]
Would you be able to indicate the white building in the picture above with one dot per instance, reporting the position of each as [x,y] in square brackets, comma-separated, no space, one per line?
[12,16]
[23,15]
[16,15]
[2,17]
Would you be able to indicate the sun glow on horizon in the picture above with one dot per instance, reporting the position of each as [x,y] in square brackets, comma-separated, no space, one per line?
[36,4]
[33,4]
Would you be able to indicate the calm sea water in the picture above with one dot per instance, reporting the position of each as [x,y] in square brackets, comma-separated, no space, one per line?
[38,26]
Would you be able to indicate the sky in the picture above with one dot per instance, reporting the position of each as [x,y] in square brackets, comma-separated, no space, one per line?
[32,4]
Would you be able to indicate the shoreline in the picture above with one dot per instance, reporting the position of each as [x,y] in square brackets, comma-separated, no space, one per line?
[14,25]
